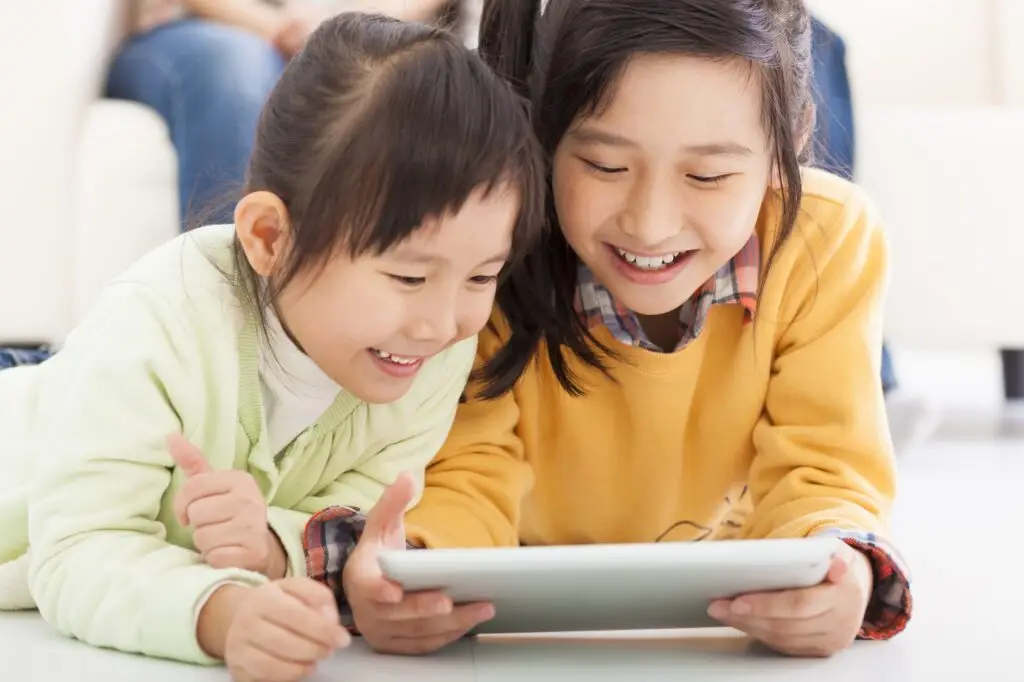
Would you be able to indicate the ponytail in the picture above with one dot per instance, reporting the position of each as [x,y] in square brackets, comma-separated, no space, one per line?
[537,298]
[507,35]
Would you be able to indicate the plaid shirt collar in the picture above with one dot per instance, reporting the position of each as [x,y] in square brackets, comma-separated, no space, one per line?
[735,282]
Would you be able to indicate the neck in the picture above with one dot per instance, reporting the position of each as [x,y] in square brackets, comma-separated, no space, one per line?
[663,330]
[284,328]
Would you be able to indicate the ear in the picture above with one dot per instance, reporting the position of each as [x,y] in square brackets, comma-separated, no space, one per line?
[264,230]
[806,129]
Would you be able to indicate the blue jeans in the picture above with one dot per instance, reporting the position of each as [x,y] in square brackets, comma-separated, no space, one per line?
[14,357]
[833,137]
[208,81]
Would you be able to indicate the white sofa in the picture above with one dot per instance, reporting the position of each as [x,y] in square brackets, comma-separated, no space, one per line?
[92,182]
[88,184]
[939,104]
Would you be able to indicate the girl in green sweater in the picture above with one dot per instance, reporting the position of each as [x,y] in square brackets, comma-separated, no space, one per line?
[156,474]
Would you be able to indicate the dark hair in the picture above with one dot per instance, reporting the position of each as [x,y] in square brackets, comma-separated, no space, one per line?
[566,61]
[377,125]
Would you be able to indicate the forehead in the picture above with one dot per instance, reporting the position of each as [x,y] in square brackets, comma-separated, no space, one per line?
[670,101]
[482,228]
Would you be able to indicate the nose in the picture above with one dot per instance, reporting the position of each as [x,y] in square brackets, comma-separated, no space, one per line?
[653,213]
[436,322]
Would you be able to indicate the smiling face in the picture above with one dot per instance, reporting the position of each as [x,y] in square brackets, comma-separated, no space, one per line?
[371,322]
[662,186]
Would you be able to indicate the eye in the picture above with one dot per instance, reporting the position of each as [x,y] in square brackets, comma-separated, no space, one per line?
[709,179]
[608,170]
[408,281]
[483,279]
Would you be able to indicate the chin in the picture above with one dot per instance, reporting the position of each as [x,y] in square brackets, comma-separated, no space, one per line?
[650,301]
[381,393]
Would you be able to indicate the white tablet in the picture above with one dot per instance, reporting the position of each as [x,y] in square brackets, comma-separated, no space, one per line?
[610,587]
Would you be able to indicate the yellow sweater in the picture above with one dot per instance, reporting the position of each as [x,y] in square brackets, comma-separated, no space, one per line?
[774,428]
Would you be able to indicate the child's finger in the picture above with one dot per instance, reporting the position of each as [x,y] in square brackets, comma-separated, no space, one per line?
[322,624]
[803,603]
[259,664]
[229,556]
[368,583]
[462,619]
[303,636]
[837,570]
[316,596]
[417,605]
[387,516]
[195,489]
[431,643]
[778,629]
[187,456]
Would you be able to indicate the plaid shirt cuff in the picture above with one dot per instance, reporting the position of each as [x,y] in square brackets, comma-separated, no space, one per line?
[330,537]
[891,604]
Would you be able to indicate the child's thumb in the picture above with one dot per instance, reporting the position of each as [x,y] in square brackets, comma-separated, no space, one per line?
[385,520]
[838,569]
[187,456]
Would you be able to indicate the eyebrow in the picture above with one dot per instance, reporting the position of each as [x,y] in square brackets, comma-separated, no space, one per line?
[419,258]
[595,136]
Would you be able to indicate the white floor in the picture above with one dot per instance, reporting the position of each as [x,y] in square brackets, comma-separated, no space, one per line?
[974,460]
[956,520]
[957,503]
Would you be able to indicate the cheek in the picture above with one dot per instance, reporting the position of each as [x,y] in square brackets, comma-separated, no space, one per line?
[319,322]
[726,222]
[322,314]
[580,204]
[474,311]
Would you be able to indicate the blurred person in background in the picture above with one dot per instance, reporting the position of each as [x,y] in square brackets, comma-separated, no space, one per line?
[207,66]
[911,417]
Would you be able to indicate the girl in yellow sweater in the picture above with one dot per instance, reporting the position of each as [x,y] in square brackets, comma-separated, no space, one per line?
[721,311]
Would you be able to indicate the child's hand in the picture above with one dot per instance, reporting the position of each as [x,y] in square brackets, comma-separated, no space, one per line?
[227,513]
[282,630]
[390,620]
[816,621]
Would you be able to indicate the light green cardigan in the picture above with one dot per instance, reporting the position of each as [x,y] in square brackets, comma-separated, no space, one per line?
[86,481]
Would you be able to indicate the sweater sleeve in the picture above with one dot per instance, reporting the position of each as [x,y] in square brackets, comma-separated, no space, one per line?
[101,569]
[361,486]
[474,487]
[824,462]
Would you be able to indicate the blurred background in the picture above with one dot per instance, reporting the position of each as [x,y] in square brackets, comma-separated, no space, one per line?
[120,115]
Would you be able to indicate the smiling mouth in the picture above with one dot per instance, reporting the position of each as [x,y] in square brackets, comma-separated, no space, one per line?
[401,360]
[650,263]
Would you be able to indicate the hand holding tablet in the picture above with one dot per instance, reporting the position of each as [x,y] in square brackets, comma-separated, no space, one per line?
[610,587]
[418,601]
[389,618]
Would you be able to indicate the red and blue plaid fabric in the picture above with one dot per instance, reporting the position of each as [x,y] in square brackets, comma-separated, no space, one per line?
[735,282]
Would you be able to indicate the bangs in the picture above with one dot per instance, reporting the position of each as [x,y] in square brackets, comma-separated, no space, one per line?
[427,131]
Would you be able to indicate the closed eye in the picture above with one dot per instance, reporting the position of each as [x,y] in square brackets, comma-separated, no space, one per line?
[408,281]
[610,170]
[709,179]
[483,279]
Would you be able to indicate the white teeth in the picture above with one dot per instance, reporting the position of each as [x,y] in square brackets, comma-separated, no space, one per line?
[649,262]
[397,359]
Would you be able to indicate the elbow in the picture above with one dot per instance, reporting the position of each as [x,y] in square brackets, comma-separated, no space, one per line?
[47,573]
